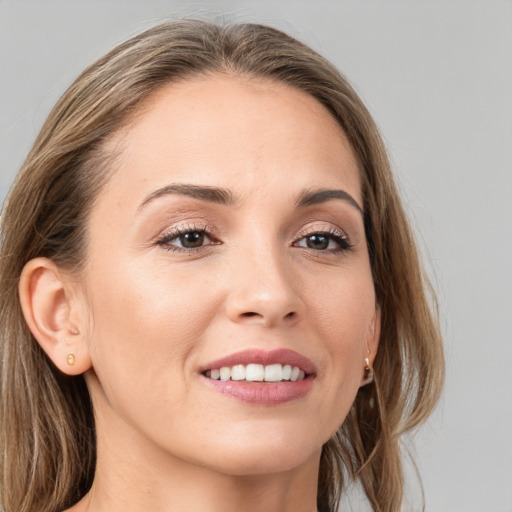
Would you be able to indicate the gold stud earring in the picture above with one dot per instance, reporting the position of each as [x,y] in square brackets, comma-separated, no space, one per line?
[368,372]
[71,359]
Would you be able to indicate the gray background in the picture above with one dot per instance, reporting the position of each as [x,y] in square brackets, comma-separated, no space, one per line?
[437,75]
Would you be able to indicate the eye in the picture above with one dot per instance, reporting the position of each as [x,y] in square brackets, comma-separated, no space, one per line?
[331,241]
[186,239]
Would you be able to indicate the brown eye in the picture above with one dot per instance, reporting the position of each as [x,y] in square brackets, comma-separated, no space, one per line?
[318,242]
[325,241]
[192,239]
[186,240]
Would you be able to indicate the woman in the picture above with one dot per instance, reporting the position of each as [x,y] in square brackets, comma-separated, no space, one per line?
[211,296]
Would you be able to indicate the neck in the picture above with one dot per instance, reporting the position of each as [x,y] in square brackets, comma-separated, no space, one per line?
[202,490]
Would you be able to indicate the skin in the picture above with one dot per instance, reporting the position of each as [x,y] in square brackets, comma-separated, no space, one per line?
[144,319]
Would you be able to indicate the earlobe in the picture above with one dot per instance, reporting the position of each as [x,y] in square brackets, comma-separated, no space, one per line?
[49,309]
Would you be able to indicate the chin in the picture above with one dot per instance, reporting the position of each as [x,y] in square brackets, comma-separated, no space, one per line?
[265,453]
[263,464]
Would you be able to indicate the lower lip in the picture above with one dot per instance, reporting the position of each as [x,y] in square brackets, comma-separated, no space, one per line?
[263,393]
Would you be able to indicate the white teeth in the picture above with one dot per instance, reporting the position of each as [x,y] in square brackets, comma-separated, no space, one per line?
[257,373]
[238,372]
[254,372]
[273,373]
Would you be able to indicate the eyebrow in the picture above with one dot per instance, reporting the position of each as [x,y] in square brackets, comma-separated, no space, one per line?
[212,194]
[312,197]
[225,196]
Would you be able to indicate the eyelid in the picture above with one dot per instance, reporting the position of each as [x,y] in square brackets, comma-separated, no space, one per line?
[334,232]
[321,228]
[169,234]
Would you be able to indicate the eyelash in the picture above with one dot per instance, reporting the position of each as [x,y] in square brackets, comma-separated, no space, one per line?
[337,236]
[166,238]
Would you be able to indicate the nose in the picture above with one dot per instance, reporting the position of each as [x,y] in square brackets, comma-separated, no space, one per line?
[264,291]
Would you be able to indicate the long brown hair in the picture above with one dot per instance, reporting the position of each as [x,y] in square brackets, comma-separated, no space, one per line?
[47,436]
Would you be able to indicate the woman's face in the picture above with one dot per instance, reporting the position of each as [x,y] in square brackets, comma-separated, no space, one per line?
[231,233]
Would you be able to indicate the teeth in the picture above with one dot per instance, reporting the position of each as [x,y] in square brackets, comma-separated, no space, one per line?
[273,373]
[238,372]
[257,373]
[254,372]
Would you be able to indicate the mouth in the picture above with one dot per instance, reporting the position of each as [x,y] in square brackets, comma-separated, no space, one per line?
[254,372]
[261,377]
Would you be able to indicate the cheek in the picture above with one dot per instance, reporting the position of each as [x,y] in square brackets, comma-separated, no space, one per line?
[344,314]
[132,298]
[345,310]
[145,317]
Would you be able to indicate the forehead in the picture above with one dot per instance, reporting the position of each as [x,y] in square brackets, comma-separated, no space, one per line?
[233,132]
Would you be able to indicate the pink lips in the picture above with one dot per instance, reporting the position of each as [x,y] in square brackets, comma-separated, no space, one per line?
[263,393]
[281,356]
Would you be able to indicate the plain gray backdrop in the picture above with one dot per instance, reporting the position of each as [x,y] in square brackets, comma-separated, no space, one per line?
[437,76]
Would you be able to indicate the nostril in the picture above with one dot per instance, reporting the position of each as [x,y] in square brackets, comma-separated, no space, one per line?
[249,314]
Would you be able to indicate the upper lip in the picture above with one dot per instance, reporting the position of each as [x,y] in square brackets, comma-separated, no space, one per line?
[265,357]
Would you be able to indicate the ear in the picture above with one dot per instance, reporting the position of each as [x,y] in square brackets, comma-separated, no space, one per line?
[52,311]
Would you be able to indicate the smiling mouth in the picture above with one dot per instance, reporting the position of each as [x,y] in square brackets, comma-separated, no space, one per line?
[261,377]
[257,373]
